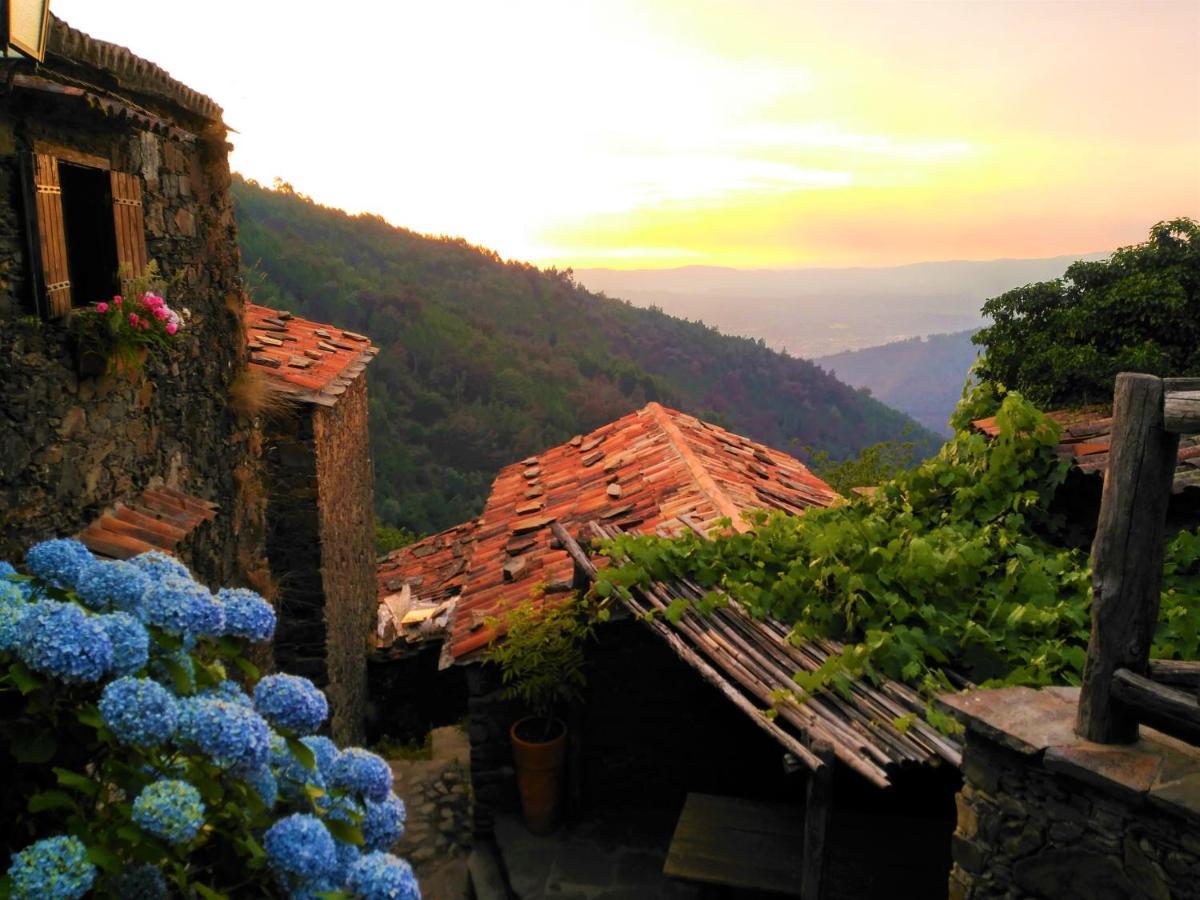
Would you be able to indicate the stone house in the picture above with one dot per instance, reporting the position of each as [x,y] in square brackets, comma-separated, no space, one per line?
[669,711]
[320,511]
[106,165]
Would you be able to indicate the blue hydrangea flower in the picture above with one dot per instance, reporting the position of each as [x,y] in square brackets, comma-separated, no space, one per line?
[347,855]
[10,592]
[11,616]
[159,565]
[361,772]
[178,606]
[7,568]
[59,562]
[144,882]
[247,614]
[169,809]
[113,584]
[323,749]
[56,868]
[264,784]
[182,663]
[300,848]
[291,702]
[139,711]
[292,776]
[381,876]
[210,616]
[232,736]
[229,691]
[383,825]
[130,642]
[60,639]
[340,808]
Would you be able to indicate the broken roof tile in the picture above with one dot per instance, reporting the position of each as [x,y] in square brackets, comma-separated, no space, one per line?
[158,519]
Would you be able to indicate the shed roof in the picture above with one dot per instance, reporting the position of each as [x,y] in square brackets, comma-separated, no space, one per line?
[311,361]
[1086,435]
[654,470]
[159,519]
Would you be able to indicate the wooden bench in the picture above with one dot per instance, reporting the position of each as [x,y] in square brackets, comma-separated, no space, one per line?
[739,843]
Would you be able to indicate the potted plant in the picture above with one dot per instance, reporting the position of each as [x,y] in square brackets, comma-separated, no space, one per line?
[541,662]
[115,336]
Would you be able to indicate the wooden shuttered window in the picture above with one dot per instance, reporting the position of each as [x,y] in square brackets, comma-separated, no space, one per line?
[61,244]
[48,237]
[129,226]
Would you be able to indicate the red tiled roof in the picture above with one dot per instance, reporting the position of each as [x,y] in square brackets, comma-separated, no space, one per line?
[311,361]
[1085,441]
[157,520]
[432,569]
[653,470]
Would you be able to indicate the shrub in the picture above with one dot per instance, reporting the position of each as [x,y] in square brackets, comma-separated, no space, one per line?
[141,767]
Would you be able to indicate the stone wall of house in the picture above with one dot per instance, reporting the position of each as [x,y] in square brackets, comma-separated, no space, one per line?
[1091,833]
[72,446]
[489,717]
[347,522]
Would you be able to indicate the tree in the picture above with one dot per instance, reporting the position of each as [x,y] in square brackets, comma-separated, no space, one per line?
[1061,343]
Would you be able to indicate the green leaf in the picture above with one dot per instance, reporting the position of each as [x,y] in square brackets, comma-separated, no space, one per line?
[77,782]
[206,892]
[302,753]
[25,680]
[105,859]
[89,715]
[45,800]
[35,747]
[345,832]
[247,668]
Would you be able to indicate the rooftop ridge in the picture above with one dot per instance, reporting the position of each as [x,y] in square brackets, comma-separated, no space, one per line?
[696,469]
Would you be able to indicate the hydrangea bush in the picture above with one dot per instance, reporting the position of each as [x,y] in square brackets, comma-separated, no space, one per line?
[152,760]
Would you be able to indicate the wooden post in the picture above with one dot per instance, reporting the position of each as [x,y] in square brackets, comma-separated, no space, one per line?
[818,812]
[1127,554]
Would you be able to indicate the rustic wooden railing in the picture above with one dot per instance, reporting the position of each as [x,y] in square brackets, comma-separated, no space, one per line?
[1122,686]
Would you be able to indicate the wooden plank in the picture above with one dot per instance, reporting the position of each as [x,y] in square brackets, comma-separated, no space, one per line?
[1127,554]
[129,225]
[818,814]
[1166,709]
[51,235]
[737,843]
[1181,673]
[1181,412]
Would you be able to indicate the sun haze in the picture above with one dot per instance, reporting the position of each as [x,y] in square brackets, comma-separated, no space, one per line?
[751,134]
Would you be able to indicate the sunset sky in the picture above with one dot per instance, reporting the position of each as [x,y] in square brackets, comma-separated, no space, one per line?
[753,134]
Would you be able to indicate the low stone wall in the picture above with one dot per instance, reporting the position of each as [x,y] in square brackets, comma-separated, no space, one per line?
[1046,814]
[492,774]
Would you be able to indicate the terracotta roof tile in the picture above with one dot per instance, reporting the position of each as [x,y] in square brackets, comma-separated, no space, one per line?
[1085,442]
[673,471]
[159,519]
[422,576]
[310,360]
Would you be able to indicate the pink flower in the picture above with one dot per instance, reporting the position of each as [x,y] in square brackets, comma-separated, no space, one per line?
[172,328]
[133,319]
[152,300]
[117,300]
[160,313]
[101,307]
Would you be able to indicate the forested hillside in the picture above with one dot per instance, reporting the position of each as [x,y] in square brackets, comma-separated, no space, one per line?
[922,376]
[484,361]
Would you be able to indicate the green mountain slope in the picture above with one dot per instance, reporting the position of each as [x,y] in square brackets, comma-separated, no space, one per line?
[922,376]
[484,361]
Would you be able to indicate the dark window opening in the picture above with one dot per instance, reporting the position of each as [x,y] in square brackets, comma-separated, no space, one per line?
[91,242]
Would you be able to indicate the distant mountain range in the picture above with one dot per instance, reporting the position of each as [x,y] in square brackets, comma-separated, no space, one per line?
[818,312]
[920,376]
[484,361]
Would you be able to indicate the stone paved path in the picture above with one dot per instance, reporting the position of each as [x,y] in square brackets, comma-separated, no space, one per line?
[437,836]
[618,857]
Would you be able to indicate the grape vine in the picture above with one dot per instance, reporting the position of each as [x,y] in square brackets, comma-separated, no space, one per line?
[955,569]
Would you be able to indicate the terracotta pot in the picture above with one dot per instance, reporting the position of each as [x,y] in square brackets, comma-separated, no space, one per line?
[539,774]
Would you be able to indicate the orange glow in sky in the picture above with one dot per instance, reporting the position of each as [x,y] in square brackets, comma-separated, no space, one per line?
[753,134]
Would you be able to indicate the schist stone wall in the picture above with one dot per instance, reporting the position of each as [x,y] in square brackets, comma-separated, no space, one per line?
[1044,814]
[321,549]
[72,446]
